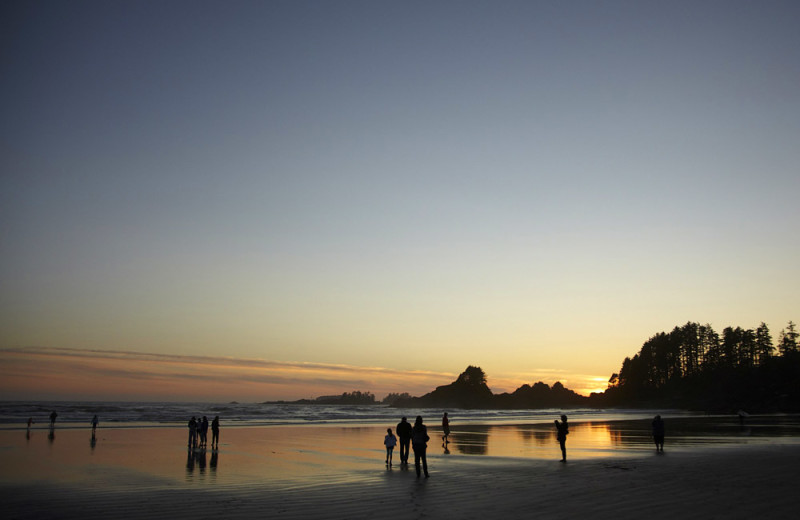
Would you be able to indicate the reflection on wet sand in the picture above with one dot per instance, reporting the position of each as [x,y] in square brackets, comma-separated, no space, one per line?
[295,455]
[196,458]
[718,430]
[470,440]
[604,439]
[537,437]
[537,440]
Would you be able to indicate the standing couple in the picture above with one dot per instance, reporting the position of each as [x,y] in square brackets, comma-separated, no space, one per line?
[417,437]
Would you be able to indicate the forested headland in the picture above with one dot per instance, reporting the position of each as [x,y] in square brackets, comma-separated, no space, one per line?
[694,367]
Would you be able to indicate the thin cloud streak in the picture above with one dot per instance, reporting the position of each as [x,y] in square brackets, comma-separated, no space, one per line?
[59,373]
[56,373]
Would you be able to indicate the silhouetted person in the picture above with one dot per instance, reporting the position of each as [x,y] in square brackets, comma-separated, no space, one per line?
[192,432]
[94,424]
[658,433]
[561,435]
[419,443]
[215,432]
[53,419]
[204,431]
[404,434]
[30,422]
[390,441]
[445,428]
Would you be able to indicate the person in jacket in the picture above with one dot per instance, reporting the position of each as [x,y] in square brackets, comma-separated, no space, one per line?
[404,433]
[658,433]
[562,430]
[419,443]
[192,432]
[215,432]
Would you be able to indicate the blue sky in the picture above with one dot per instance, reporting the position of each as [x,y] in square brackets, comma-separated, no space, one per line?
[532,187]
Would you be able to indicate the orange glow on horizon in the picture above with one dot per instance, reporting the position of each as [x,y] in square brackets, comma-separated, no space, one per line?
[51,373]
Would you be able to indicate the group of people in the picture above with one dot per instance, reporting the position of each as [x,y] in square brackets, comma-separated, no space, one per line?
[414,436]
[198,432]
[417,437]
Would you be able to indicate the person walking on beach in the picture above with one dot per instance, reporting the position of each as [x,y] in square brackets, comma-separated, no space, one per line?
[390,441]
[53,419]
[192,432]
[562,429]
[419,443]
[30,422]
[445,429]
[658,433]
[215,432]
[94,424]
[404,433]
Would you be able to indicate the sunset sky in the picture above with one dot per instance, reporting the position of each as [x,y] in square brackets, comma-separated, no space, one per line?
[283,199]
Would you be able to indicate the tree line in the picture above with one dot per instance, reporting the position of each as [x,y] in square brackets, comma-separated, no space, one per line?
[693,366]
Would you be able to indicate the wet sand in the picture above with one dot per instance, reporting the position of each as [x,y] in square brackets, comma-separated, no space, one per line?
[339,472]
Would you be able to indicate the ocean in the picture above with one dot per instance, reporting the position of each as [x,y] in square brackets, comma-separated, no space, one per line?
[168,414]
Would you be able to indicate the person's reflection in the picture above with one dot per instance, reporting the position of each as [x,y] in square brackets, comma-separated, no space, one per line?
[189,462]
[535,435]
[471,440]
[201,460]
[214,458]
[93,442]
[52,434]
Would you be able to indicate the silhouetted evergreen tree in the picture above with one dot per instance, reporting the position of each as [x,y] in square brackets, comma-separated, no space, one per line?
[764,347]
[788,340]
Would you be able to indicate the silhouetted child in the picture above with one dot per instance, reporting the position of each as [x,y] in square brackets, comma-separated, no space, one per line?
[561,435]
[94,424]
[658,433]
[445,428]
[53,419]
[390,441]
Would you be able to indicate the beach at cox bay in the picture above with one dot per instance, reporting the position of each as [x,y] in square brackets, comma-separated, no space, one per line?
[713,466]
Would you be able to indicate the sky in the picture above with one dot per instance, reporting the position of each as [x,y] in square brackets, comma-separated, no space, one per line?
[284,199]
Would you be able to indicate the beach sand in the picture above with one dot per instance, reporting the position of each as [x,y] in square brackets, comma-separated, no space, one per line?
[338,472]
